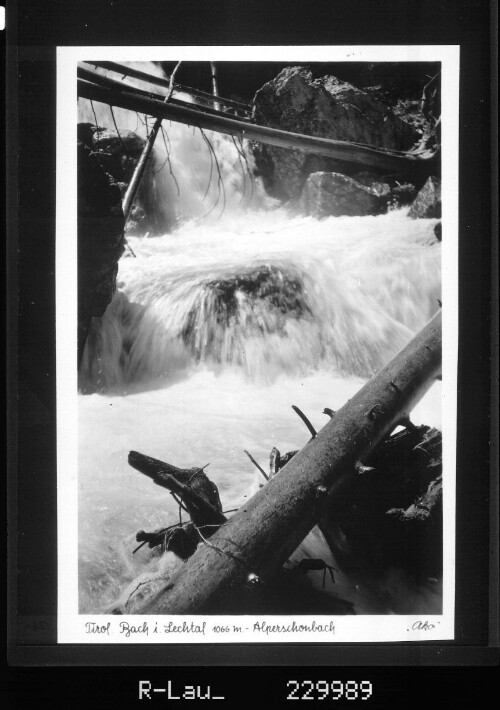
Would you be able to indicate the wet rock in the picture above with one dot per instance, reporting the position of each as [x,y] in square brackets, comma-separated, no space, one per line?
[256,302]
[272,284]
[101,240]
[427,203]
[324,107]
[374,182]
[332,194]
[402,194]
[118,154]
[395,194]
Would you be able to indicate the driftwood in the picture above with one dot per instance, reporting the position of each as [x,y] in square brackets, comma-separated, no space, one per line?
[181,539]
[196,492]
[345,152]
[423,508]
[252,547]
[363,527]
[391,517]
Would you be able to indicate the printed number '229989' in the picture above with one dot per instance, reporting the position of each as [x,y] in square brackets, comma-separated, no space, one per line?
[333,690]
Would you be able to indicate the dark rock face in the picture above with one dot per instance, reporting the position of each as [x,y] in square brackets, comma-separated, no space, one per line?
[332,194]
[324,107]
[427,203]
[100,238]
[118,155]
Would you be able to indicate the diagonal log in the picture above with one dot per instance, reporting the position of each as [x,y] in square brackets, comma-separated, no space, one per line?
[103,80]
[165,82]
[343,151]
[260,537]
[140,168]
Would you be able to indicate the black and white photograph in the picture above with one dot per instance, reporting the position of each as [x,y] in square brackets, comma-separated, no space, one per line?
[257,369]
[251,339]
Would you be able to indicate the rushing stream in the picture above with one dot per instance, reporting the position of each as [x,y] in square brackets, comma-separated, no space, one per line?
[216,330]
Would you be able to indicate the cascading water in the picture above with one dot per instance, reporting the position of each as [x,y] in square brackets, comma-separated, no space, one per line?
[216,330]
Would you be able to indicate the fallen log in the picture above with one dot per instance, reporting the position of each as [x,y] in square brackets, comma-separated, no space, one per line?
[165,82]
[345,152]
[253,546]
[103,80]
[194,492]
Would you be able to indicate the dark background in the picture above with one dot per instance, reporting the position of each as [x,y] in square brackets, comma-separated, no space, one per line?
[241,80]
[34,30]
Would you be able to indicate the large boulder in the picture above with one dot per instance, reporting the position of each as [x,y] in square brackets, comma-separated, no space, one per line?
[324,107]
[427,203]
[333,194]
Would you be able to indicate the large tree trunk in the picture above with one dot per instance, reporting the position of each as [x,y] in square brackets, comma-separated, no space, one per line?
[259,538]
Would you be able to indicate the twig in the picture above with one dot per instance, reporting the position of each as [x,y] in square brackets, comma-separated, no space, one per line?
[93,111]
[220,181]
[169,162]
[119,135]
[171,84]
[139,547]
[306,421]
[222,552]
[242,168]
[179,502]
[243,154]
[256,464]
[211,171]
[141,584]
[200,470]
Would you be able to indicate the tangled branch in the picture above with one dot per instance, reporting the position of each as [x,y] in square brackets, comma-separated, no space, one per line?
[220,182]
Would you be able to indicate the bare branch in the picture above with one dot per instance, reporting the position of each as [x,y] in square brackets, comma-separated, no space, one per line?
[256,464]
[306,421]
